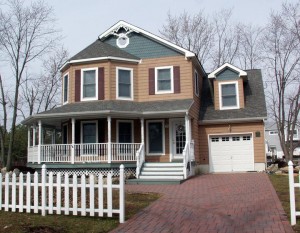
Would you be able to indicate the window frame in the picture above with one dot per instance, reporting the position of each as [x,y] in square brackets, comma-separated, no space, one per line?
[236,83]
[117,83]
[171,80]
[81,130]
[163,137]
[196,83]
[132,129]
[66,75]
[96,84]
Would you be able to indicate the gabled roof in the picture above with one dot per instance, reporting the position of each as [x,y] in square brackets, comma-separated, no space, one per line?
[255,105]
[99,50]
[128,26]
[224,66]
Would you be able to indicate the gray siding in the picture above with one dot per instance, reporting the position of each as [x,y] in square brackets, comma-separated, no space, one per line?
[227,74]
[143,47]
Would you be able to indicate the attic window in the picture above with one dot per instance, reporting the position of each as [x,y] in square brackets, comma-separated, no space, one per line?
[122,40]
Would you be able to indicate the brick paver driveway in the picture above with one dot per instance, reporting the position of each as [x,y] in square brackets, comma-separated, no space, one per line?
[230,203]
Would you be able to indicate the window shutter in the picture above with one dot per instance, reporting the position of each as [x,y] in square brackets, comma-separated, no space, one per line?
[151,82]
[77,85]
[101,83]
[176,76]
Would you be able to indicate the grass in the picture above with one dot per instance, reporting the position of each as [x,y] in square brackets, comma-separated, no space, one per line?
[35,223]
[281,185]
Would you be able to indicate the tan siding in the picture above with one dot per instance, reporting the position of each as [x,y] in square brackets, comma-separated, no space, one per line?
[216,95]
[241,93]
[259,142]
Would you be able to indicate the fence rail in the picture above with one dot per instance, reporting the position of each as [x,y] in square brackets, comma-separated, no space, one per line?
[38,195]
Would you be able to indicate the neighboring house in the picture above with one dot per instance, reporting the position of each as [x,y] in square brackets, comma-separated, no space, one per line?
[273,142]
[132,97]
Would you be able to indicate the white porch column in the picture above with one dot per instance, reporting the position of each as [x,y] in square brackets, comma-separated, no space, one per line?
[187,128]
[109,138]
[73,142]
[34,136]
[40,142]
[142,131]
[28,135]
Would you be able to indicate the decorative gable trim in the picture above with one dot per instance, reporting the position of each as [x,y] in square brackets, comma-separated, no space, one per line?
[129,27]
[227,65]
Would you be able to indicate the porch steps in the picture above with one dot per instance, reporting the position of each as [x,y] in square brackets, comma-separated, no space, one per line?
[160,173]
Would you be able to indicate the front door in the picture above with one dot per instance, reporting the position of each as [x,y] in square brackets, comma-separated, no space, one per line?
[178,138]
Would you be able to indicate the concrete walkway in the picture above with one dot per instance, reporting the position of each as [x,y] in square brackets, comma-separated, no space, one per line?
[240,203]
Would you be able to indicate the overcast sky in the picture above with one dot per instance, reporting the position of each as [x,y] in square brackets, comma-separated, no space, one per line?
[82,21]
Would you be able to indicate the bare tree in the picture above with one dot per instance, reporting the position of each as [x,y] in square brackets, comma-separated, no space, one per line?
[44,92]
[192,32]
[27,33]
[227,39]
[3,127]
[282,58]
[249,54]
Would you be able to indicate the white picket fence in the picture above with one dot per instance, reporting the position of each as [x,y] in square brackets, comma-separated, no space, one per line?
[292,186]
[56,194]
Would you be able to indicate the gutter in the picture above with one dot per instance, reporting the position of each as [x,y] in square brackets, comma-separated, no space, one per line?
[237,120]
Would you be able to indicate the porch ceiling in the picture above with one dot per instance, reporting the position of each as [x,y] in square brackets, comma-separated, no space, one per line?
[113,108]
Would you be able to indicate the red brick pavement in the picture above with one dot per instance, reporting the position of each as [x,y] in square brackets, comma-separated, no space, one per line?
[226,203]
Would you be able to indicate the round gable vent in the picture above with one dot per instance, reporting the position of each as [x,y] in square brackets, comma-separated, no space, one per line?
[122,40]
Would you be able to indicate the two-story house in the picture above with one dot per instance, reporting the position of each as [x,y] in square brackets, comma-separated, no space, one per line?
[132,97]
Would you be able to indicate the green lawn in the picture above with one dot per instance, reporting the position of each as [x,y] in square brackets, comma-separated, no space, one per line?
[35,223]
[281,185]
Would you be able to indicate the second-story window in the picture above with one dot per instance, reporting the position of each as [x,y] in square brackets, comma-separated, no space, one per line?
[229,95]
[89,84]
[66,88]
[124,83]
[164,80]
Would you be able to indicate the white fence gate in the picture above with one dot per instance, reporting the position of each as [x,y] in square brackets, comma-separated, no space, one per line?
[53,194]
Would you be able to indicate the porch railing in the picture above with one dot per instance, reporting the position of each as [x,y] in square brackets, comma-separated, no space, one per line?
[140,159]
[188,158]
[91,152]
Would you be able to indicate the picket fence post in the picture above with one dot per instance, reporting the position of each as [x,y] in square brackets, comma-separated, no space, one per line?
[122,195]
[1,191]
[292,193]
[43,201]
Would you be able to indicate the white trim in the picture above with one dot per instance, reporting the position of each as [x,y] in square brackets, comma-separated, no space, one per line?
[81,129]
[237,95]
[227,65]
[148,34]
[62,139]
[132,127]
[99,59]
[228,134]
[96,84]
[147,135]
[68,88]
[117,83]
[196,83]
[171,80]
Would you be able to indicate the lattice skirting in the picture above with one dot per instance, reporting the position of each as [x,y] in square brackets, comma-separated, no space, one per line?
[129,172]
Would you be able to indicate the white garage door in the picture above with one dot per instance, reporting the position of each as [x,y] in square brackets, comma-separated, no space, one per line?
[231,153]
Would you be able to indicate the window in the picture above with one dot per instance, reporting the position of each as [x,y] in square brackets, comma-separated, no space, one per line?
[235,139]
[155,133]
[273,133]
[164,80]
[66,88]
[89,84]
[229,95]
[196,84]
[89,132]
[124,83]
[214,139]
[246,138]
[122,40]
[125,131]
[225,139]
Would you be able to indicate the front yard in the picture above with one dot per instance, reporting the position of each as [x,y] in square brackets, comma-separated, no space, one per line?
[281,185]
[35,223]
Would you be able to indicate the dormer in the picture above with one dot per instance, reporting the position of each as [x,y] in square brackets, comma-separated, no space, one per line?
[227,84]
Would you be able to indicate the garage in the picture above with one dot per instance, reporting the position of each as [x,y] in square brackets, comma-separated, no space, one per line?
[231,153]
